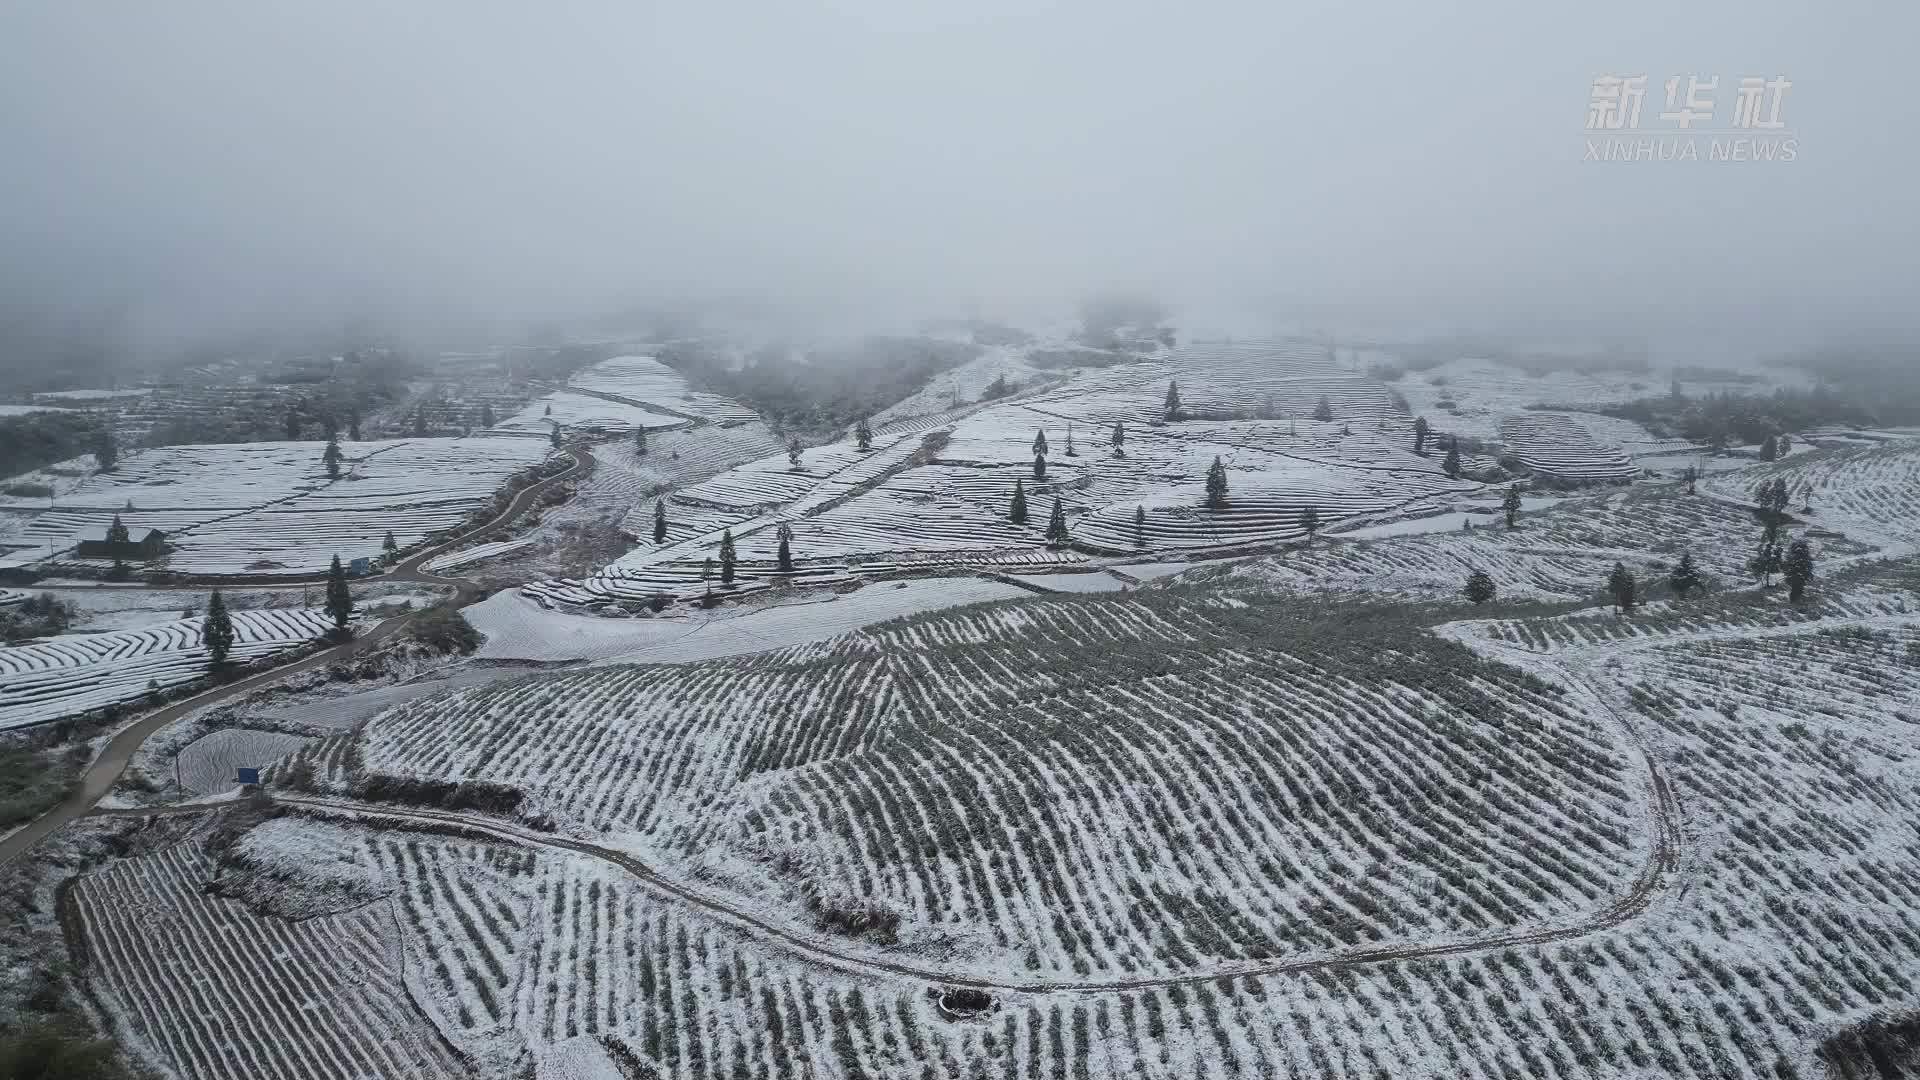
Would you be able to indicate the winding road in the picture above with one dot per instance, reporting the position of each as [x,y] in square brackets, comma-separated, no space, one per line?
[105,769]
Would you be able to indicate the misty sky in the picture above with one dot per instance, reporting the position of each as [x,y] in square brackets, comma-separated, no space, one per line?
[1395,163]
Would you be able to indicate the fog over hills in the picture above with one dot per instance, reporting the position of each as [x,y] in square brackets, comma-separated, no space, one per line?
[444,166]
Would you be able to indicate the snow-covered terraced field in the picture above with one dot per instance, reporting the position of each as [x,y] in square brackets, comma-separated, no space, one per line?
[920,719]
[1871,493]
[214,991]
[477,553]
[210,764]
[73,673]
[1555,446]
[519,629]
[580,412]
[1564,552]
[646,381]
[237,507]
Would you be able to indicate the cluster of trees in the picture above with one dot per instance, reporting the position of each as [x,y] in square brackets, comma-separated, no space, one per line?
[38,616]
[33,440]
[1724,419]
[1794,562]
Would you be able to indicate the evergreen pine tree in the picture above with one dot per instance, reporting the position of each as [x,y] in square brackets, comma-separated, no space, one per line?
[555,435]
[1420,430]
[1480,588]
[1217,485]
[216,632]
[1057,523]
[1765,562]
[863,435]
[1018,513]
[726,557]
[639,441]
[1769,450]
[785,557]
[486,415]
[1323,411]
[331,458]
[793,452]
[660,520]
[1173,400]
[117,532]
[1139,526]
[106,453]
[1798,569]
[1685,577]
[1040,443]
[1119,439]
[1623,588]
[1039,467]
[1511,504]
[1310,521]
[339,597]
[1070,451]
[390,548]
[1451,463]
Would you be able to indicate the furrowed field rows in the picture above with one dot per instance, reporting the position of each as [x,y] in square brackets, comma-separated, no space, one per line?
[1870,493]
[237,507]
[1565,551]
[76,672]
[943,743]
[215,991]
[1669,620]
[579,412]
[646,381]
[746,773]
[1557,448]
[210,764]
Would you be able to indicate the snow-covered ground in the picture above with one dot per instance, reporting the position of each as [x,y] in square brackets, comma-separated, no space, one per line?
[270,507]
[519,629]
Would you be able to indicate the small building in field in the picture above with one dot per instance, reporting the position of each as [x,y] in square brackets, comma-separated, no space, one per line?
[148,548]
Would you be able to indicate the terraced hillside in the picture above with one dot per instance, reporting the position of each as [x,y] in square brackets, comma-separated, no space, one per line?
[1558,449]
[1560,553]
[1187,741]
[1872,493]
[73,673]
[214,990]
[270,507]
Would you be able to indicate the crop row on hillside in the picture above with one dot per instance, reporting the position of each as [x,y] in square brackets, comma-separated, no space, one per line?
[1187,759]
[73,673]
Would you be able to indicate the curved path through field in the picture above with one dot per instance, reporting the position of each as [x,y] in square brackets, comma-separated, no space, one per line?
[1660,872]
[105,769]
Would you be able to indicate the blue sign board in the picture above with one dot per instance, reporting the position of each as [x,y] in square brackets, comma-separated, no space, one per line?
[250,776]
